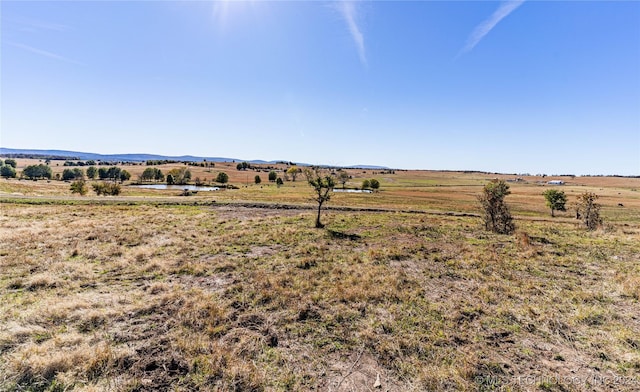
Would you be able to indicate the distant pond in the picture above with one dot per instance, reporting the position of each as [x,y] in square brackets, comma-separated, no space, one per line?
[177,187]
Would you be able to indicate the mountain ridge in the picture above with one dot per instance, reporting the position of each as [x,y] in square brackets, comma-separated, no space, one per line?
[141,157]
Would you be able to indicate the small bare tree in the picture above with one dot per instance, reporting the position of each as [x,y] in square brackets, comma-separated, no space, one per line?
[322,184]
[343,177]
[496,214]
[588,210]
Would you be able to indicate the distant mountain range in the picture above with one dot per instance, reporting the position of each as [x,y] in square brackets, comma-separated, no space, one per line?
[143,157]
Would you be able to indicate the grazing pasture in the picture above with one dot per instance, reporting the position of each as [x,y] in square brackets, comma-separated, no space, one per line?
[234,290]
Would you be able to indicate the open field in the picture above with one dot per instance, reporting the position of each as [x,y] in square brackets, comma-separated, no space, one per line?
[223,291]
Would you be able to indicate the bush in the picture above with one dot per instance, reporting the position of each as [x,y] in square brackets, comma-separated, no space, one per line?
[79,186]
[7,171]
[72,174]
[588,210]
[106,188]
[273,176]
[92,172]
[374,184]
[11,162]
[257,179]
[366,184]
[496,214]
[222,178]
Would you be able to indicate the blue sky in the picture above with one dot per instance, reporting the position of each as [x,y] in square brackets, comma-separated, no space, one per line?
[533,86]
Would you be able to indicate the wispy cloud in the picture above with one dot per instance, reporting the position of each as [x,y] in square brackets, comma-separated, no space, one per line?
[349,12]
[43,53]
[34,25]
[486,26]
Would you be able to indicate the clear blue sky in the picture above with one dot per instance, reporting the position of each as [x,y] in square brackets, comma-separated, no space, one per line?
[534,86]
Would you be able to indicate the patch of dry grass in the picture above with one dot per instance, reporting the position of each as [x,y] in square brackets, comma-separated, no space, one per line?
[193,297]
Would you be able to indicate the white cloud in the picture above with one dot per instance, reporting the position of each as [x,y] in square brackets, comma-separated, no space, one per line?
[486,26]
[349,12]
[43,53]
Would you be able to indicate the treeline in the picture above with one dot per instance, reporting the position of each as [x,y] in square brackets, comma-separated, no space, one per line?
[99,163]
[41,171]
[41,156]
[156,162]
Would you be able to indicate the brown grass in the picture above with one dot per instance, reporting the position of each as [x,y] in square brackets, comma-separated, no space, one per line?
[134,294]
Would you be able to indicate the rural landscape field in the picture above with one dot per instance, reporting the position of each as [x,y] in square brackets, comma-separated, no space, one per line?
[236,290]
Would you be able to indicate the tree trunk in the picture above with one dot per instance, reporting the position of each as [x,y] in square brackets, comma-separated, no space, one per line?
[552,213]
[318,224]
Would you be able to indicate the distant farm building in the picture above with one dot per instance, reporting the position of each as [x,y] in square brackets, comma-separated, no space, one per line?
[556,182]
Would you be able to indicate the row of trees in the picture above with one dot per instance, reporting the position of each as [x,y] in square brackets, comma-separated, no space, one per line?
[41,171]
[497,217]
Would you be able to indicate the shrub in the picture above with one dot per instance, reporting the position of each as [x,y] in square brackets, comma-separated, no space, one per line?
[7,171]
[374,184]
[79,186]
[11,162]
[92,172]
[588,210]
[106,188]
[257,179]
[496,214]
[366,184]
[222,178]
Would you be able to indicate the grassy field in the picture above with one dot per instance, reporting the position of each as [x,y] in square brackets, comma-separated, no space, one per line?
[235,290]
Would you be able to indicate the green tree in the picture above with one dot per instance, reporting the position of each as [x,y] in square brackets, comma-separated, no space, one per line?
[67,174]
[366,184]
[588,210]
[7,171]
[293,172]
[496,214]
[222,178]
[35,172]
[374,184]
[79,186]
[11,162]
[180,175]
[273,176]
[92,172]
[124,176]
[148,174]
[158,176]
[170,180]
[257,179]
[556,200]
[322,185]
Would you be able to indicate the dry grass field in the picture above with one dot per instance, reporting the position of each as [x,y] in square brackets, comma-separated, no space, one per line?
[234,290]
